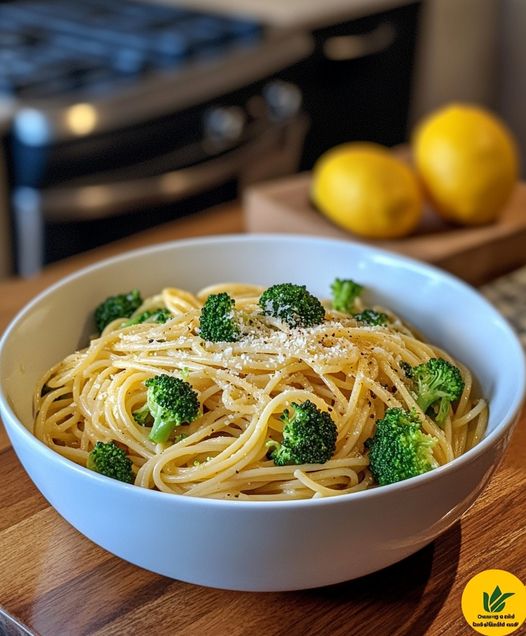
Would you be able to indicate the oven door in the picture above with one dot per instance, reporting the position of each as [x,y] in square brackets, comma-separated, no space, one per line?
[5,242]
[57,222]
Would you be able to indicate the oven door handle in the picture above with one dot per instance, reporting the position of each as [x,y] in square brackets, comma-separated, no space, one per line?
[344,48]
[103,200]
[275,148]
[98,201]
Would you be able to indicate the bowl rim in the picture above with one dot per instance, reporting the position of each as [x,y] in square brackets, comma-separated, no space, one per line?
[456,464]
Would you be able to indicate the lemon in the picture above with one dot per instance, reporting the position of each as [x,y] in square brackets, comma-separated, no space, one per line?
[467,161]
[364,188]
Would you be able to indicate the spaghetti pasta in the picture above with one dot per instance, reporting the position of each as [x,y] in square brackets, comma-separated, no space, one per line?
[353,371]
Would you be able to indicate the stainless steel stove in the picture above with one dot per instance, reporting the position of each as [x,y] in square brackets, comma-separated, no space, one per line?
[123,115]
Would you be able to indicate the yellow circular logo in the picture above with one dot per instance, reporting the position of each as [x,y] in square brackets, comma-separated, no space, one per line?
[494,602]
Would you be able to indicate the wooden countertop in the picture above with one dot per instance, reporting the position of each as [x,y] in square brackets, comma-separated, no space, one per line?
[311,14]
[59,583]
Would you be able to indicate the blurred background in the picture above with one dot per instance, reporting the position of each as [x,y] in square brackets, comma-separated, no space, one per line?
[117,115]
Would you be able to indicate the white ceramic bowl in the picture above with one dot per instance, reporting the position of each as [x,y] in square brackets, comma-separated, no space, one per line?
[264,545]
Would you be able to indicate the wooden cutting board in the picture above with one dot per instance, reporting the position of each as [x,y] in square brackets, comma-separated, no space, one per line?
[475,254]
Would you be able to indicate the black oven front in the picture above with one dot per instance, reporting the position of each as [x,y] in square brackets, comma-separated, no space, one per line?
[126,115]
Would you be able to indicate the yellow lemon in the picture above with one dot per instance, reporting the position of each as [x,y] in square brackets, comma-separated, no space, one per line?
[467,161]
[364,188]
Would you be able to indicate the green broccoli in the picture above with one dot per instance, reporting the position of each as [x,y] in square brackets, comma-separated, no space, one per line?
[110,460]
[399,449]
[119,306]
[217,322]
[309,436]
[171,402]
[372,318]
[438,383]
[293,304]
[406,368]
[142,415]
[159,316]
[344,292]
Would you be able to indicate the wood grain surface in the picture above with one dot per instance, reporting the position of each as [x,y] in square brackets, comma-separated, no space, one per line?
[59,583]
[476,254]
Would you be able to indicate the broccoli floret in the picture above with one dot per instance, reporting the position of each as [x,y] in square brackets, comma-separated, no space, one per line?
[293,304]
[171,402]
[406,368]
[399,449]
[119,306]
[344,292]
[217,322]
[309,436]
[110,460]
[142,415]
[438,383]
[159,316]
[372,318]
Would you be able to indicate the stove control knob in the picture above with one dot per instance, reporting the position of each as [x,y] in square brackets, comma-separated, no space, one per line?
[224,124]
[283,99]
